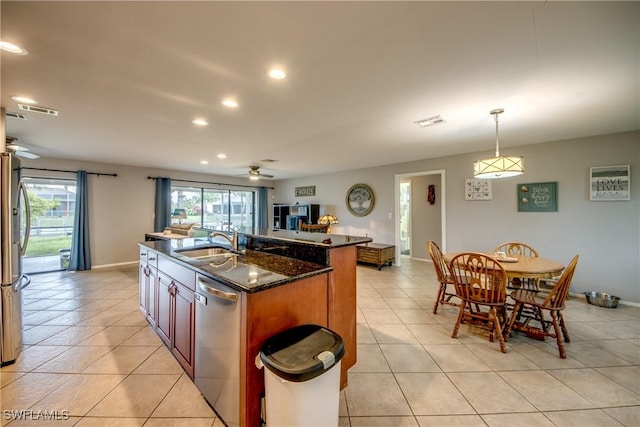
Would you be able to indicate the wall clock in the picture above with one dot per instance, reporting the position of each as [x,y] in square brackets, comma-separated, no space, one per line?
[360,200]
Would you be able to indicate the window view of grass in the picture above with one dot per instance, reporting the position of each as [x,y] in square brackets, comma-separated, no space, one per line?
[52,203]
[46,246]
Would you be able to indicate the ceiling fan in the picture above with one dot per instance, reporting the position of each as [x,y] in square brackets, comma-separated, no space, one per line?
[19,150]
[255,174]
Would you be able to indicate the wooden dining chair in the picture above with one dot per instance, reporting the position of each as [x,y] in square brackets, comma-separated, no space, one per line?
[530,307]
[481,284]
[521,249]
[443,275]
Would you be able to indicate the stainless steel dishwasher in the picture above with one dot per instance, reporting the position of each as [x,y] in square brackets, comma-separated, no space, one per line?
[217,354]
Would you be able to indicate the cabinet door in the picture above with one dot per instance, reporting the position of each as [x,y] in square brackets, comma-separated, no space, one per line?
[143,287]
[183,337]
[152,295]
[163,312]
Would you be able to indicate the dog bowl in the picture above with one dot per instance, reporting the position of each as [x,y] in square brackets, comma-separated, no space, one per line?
[602,299]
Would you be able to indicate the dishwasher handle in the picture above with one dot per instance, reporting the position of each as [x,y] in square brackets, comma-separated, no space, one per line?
[218,293]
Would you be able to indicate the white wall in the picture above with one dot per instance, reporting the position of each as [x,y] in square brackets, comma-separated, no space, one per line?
[605,234]
[120,208]
[426,218]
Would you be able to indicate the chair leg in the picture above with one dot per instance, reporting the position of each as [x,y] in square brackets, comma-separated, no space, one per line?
[565,332]
[514,314]
[556,328]
[498,328]
[439,298]
[454,334]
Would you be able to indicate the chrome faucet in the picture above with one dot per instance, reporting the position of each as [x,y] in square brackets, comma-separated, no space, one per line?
[233,240]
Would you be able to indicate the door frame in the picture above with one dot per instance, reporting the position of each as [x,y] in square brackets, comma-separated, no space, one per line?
[443,208]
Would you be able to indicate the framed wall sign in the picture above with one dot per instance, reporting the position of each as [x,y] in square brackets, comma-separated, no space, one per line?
[360,200]
[309,190]
[538,197]
[610,183]
[477,189]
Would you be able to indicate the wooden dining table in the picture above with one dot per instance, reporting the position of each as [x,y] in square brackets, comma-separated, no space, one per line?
[523,266]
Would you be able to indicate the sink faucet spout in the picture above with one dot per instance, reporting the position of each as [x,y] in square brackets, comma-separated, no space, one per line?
[233,239]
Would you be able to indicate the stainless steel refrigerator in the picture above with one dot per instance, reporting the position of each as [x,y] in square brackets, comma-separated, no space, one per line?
[14,235]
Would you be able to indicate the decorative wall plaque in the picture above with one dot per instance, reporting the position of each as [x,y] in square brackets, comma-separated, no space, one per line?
[610,183]
[477,189]
[538,197]
[309,190]
[360,200]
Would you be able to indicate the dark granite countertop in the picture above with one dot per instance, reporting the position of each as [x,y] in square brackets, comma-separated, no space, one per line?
[247,270]
[315,239]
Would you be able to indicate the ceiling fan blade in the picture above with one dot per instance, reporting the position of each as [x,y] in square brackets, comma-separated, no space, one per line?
[27,155]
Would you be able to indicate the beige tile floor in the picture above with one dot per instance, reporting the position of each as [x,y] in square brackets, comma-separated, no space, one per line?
[90,354]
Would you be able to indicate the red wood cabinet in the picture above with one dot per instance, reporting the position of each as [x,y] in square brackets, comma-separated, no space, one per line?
[175,319]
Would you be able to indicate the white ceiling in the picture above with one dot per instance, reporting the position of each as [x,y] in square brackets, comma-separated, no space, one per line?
[128,78]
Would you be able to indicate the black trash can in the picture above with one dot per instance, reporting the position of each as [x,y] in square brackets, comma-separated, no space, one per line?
[302,377]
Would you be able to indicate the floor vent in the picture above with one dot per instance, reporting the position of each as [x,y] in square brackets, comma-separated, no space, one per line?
[38,109]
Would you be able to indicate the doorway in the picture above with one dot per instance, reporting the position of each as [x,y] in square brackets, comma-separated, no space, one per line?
[405,217]
[53,204]
[426,212]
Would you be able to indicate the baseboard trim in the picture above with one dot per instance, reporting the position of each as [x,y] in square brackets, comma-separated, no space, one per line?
[119,264]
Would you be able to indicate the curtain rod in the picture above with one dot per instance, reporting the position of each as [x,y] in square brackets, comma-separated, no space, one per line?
[214,183]
[66,171]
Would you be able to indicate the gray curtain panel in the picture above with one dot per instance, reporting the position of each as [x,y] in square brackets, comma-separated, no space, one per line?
[163,204]
[80,258]
[263,207]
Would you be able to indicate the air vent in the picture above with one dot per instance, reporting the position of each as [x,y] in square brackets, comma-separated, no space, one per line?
[15,115]
[38,109]
[435,120]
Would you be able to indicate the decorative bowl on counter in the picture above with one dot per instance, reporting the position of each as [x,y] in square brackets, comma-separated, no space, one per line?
[602,299]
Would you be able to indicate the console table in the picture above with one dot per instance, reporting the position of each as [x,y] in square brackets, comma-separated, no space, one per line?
[376,253]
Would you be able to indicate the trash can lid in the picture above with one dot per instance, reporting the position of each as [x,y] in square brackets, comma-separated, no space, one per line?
[302,353]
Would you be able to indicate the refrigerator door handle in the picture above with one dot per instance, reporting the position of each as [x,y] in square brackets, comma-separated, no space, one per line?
[23,282]
[27,209]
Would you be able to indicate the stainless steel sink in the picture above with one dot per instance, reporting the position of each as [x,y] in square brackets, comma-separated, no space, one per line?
[206,253]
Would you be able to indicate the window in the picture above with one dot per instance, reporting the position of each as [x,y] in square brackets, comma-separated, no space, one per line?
[52,202]
[216,209]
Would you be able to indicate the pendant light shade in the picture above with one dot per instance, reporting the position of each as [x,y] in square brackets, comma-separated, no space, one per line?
[498,166]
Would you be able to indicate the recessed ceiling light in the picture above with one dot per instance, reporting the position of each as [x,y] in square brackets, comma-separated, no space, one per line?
[199,122]
[12,48]
[24,99]
[230,102]
[204,162]
[277,73]
[222,156]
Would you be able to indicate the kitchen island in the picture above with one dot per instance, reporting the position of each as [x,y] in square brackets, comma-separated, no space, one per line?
[282,279]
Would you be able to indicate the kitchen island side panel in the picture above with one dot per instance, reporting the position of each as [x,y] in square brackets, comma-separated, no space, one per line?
[342,303]
[268,313]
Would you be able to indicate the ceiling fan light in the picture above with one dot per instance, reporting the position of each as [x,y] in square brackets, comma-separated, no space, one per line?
[253,177]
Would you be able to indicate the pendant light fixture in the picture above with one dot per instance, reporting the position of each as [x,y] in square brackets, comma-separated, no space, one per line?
[498,166]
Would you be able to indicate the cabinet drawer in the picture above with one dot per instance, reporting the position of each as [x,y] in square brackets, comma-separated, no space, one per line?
[182,274]
[149,256]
